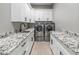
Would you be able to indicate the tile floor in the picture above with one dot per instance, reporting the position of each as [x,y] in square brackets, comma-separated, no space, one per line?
[41,48]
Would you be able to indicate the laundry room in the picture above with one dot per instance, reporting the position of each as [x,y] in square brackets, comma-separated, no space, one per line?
[39,28]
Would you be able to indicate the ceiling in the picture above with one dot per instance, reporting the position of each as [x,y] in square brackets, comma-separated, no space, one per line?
[42,5]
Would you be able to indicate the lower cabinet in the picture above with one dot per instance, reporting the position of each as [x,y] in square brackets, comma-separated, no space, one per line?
[58,48]
[25,47]
[29,45]
[17,51]
[54,46]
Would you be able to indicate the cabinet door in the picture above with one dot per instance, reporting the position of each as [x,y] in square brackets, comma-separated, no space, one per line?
[49,16]
[23,12]
[17,51]
[32,16]
[54,46]
[36,14]
[20,12]
[28,16]
[30,41]
[16,12]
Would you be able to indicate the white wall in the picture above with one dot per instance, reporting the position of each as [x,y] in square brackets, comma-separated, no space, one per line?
[43,14]
[66,16]
[5,24]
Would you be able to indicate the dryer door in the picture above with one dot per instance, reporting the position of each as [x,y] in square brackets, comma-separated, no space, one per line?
[49,28]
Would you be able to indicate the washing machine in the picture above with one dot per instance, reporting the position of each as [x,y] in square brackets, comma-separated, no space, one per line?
[49,26]
[39,31]
[42,30]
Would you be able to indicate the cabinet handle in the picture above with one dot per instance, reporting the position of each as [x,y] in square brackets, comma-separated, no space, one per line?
[24,53]
[61,53]
[23,44]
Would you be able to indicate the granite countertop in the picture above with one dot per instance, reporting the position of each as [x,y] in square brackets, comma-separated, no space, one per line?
[70,42]
[13,41]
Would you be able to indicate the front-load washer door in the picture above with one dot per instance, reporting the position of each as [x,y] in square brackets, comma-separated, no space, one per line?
[39,30]
[49,28]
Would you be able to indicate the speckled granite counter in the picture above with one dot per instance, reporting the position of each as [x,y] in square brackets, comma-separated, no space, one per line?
[11,42]
[68,43]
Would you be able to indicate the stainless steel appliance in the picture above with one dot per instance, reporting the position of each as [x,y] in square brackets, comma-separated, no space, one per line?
[42,30]
[49,26]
